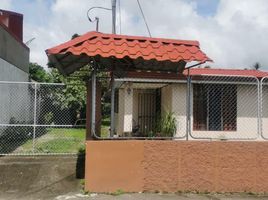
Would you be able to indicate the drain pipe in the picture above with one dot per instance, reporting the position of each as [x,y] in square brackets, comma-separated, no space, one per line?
[188,100]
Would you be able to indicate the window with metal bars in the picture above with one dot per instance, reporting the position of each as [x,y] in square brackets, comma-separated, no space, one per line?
[215,107]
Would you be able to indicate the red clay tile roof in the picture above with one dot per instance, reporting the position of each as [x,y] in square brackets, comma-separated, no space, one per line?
[228,72]
[120,46]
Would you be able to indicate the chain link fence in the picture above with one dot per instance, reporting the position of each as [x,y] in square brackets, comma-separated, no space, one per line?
[264,108]
[225,107]
[201,107]
[150,109]
[41,118]
[45,118]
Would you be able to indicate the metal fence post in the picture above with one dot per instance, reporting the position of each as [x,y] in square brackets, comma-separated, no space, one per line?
[93,108]
[259,107]
[34,122]
[188,103]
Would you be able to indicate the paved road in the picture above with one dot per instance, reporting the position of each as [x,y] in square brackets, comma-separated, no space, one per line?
[159,197]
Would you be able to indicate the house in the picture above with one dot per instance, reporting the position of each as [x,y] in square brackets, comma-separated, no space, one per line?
[149,79]
[120,55]
[223,103]
[14,67]
[14,54]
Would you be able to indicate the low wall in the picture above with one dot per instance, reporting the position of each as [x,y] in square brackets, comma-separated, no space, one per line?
[173,166]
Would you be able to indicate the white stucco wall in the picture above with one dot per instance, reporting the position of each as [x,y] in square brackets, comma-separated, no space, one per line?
[246,113]
[166,99]
[173,98]
[15,100]
[125,111]
[179,107]
[246,117]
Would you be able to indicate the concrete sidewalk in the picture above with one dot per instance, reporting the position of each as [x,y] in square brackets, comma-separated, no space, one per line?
[148,196]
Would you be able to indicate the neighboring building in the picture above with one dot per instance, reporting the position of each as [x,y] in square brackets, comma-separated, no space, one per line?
[14,54]
[14,67]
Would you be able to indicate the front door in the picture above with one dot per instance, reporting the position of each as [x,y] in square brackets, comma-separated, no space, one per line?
[147,106]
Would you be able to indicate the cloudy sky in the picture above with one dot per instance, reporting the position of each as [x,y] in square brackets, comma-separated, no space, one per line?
[234,33]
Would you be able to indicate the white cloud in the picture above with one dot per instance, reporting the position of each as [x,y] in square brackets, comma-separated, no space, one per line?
[235,36]
[5,4]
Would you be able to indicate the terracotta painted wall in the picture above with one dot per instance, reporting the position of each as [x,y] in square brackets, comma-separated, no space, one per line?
[172,166]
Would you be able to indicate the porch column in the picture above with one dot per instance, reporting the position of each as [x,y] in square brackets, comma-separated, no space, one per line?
[125,110]
[128,108]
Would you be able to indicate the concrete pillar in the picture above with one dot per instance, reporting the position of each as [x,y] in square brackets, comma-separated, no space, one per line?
[128,111]
[120,116]
[125,110]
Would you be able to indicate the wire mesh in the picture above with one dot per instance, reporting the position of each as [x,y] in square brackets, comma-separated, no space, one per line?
[41,118]
[221,108]
[142,110]
[224,107]
[264,108]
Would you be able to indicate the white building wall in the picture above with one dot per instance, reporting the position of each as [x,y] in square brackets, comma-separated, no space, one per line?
[15,100]
[166,99]
[174,99]
[179,92]
[246,117]
[125,111]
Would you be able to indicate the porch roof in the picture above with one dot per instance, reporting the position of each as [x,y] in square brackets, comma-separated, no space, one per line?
[228,72]
[106,48]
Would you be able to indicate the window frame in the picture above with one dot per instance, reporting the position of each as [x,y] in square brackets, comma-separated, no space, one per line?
[201,107]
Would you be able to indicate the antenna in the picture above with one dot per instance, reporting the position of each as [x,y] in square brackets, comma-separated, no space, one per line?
[97,19]
[29,41]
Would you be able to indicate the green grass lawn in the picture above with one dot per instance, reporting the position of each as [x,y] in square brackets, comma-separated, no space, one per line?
[59,140]
[56,140]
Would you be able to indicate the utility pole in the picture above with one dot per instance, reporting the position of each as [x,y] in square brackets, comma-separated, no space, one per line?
[114,16]
[112,77]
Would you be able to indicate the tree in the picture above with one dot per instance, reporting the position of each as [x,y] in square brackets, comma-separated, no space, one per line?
[66,99]
[38,73]
[256,66]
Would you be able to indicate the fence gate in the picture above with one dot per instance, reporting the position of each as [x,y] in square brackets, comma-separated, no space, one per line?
[41,118]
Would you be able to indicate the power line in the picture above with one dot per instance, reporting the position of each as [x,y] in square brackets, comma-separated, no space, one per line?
[148,29]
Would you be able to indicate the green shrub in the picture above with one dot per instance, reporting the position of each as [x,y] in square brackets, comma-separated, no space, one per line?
[166,125]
